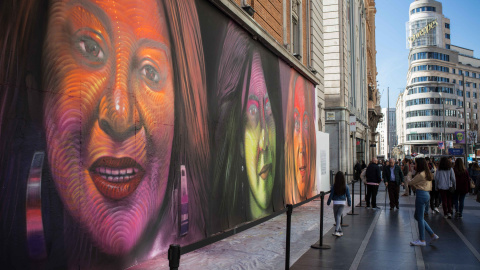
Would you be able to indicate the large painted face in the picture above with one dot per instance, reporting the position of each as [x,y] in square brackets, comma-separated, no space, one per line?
[300,138]
[109,114]
[259,144]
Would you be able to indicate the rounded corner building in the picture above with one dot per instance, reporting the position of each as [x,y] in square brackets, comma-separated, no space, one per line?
[436,99]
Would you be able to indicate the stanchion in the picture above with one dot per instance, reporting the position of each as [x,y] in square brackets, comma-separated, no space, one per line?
[361,183]
[353,200]
[319,244]
[289,227]
[331,177]
[174,257]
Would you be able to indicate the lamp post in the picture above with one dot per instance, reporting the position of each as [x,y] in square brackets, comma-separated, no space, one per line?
[465,117]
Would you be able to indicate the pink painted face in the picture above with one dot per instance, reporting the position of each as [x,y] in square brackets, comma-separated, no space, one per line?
[109,115]
[300,138]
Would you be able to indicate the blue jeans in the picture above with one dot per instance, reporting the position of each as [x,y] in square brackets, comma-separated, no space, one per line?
[421,200]
[458,198]
[337,213]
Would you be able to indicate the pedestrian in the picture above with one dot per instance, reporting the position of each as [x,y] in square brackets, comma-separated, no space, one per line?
[434,196]
[444,181]
[339,193]
[357,169]
[476,177]
[373,181]
[462,179]
[393,178]
[422,182]
[407,172]
[363,164]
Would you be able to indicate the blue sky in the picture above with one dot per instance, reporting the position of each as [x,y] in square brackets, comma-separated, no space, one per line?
[392,55]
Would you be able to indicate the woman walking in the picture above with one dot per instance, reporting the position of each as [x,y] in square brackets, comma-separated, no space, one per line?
[444,180]
[422,182]
[407,172]
[339,193]
[462,186]
[434,196]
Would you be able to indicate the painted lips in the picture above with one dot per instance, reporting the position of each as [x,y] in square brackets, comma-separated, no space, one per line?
[116,178]
[265,171]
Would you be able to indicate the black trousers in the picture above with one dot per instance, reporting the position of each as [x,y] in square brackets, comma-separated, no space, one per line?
[372,191]
[434,199]
[393,193]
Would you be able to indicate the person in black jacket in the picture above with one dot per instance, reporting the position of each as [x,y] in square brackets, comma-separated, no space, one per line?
[357,170]
[373,180]
[393,178]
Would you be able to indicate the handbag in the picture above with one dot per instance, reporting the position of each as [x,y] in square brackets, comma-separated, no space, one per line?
[472,184]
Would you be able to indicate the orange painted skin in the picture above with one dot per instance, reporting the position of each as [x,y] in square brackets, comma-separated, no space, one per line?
[109,115]
[300,138]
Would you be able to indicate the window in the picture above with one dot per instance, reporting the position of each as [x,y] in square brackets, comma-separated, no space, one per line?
[430,79]
[468,115]
[430,55]
[474,105]
[454,81]
[460,72]
[467,84]
[447,46]
[447,36]
[447,25]
[474,75]
[467,73]
[474,85]
[296,28]
[468,94]
[475,116]
[468,105]
[474,95]
[460,83]
[453,70]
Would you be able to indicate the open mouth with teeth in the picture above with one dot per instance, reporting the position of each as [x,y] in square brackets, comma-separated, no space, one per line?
[116,178]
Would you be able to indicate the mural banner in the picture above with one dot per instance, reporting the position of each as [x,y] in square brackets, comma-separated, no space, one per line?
[130,125]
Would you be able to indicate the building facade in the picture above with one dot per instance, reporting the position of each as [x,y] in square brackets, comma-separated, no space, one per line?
[387,132]
[349,43]
[443,83]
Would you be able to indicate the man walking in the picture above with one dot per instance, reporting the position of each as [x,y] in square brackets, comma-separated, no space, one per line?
[393,178]
[357,169]
[373,180]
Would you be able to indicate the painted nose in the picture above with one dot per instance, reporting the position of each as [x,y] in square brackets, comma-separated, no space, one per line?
[118,116]
[263,142]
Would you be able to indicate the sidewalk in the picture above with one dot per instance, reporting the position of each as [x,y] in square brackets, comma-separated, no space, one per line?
[379,239]
[263,246]
[374,239]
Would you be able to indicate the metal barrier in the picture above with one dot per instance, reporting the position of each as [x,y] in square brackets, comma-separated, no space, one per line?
[319,244]
[353,198]
[289,227]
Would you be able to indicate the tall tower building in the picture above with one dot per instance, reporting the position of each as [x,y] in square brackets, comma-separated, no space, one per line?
[434,98]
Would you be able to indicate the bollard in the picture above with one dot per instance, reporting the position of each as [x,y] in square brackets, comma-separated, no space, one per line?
[361,183]
[289,227]
[319,244]
[174,257]
[331,177]
[353,200]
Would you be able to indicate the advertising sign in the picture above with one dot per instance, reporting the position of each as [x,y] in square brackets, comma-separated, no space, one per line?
[455,151]
[353,123]
[440,145]
[449,144]
[472,136]
[330,116]
[459,136]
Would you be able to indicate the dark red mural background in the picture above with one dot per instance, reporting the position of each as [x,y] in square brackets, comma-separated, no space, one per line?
[127,126]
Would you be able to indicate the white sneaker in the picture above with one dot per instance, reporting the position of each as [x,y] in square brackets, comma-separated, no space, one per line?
[434,238]
[341,233]
[436,210]
[418,243]
[335,233]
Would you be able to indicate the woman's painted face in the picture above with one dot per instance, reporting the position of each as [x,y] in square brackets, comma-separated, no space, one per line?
[259,144]
[300,138]
[109,114]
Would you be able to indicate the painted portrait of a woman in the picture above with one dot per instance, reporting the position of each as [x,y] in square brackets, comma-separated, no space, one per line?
[299,140]
[113,94]
[248,139]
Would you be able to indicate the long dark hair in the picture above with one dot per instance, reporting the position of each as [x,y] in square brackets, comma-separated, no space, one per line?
[444,164]
[339,187]
[422,166]
[459,167]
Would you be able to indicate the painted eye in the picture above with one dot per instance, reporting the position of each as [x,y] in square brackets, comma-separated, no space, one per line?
[253,110]
[268,108]
[305,123]
[297,124]
[90,49]
[151,74]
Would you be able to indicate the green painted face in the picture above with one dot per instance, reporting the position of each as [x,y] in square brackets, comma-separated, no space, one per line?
[259,142]
[460,136]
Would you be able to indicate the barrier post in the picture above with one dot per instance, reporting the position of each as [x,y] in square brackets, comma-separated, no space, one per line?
[319,244]
[289,227]
[331,177]
[361,183]
[174,257]
[353,200]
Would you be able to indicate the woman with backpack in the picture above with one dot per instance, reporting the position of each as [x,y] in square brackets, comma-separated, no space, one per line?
[445,183]
[339,193]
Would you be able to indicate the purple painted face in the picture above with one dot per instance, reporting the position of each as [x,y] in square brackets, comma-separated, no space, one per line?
[109,115]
